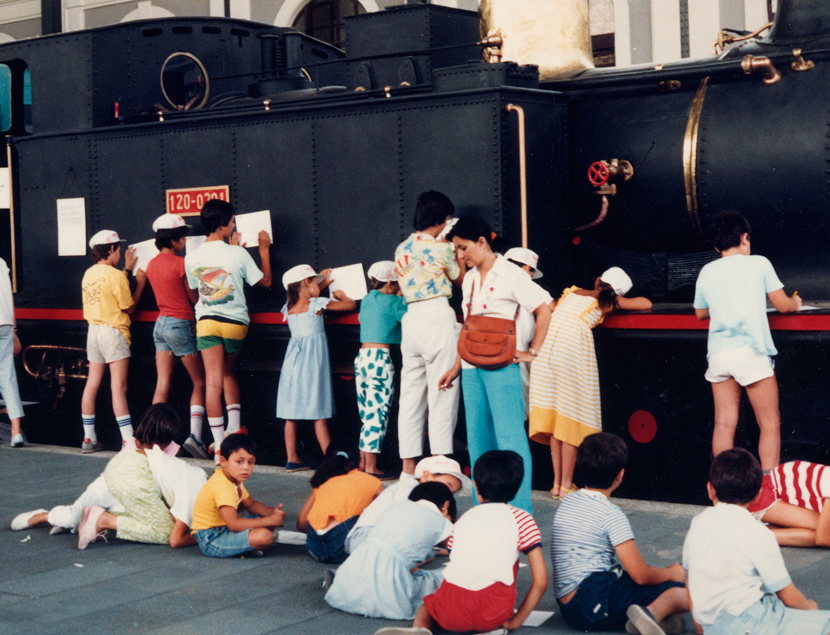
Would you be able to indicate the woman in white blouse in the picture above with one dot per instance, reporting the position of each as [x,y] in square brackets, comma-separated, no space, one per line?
[493,399]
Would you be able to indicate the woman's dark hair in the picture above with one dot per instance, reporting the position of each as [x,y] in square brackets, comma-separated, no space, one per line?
[431,208]
[216,213]
[339,460]
[166,237]
[238,441]
[471,228]
[293,293]
[102,252]
[498,475]
[437,493]
[736,476]
[159,425]
[600,458]
[607,298]
[726,230]
[376,284]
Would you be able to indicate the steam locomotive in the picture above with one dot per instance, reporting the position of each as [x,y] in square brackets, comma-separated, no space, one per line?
[111,127]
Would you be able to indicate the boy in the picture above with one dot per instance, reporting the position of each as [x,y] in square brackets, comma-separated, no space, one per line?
[433,468]
[594,593]
[737,579]
[217,526]
[107,307]
[479,588]
[219,270]
[9,347]
[732,294]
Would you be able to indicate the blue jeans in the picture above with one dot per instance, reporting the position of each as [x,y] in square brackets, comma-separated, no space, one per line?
[221,542]
[176,335]
[329,548]
[8,378]
[494,402]
[769,616]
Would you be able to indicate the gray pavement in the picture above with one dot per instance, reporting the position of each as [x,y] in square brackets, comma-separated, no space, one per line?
[48,587]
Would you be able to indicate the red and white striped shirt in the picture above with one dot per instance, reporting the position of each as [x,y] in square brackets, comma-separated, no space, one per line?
[802,484]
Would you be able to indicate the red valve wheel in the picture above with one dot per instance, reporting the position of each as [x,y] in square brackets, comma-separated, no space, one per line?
[598,173]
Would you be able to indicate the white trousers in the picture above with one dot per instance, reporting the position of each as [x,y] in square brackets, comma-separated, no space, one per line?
[97,493]
[428,348]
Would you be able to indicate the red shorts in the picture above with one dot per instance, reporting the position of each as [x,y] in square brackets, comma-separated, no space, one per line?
[461,610]
[767,499]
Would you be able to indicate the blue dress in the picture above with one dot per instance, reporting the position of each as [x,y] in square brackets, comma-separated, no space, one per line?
[305,390]
[375,580]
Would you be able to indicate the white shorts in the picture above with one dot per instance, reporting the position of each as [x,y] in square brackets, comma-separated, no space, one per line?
[745,365]
[105,344]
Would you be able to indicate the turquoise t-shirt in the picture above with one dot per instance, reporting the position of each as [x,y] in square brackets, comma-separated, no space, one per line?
[380,318]
[735,289]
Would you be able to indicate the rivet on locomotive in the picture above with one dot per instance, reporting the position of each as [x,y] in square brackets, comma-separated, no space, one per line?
[145,117]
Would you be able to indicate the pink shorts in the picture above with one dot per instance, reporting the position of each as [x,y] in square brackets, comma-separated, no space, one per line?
[743,364]
[460,610]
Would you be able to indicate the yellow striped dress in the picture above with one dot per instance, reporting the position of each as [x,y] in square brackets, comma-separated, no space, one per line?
[564,381]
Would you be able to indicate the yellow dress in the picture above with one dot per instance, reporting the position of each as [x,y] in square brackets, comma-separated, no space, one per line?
[564,381]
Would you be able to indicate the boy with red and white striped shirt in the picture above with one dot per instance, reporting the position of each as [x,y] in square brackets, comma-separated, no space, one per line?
[479,589]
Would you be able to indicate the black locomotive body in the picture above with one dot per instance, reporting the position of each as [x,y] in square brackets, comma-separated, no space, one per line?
[338,145]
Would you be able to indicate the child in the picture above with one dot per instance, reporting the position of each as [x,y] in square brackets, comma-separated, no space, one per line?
[737,579]
[479,588]
[431,469]
[381,312]
[593,592]
[219,270]
[305,390]
[153,491]
[793,502]
[107,307]
[340,492]
[383,578]
[9,347]
[175,331]
[564,381]
[732,293]
[217,526]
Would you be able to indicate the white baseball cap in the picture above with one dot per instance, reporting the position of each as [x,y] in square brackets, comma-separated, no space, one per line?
[300,273]
[526,257]
[105,237]
[383,271]
[442,465]
[618,280]
[169,221]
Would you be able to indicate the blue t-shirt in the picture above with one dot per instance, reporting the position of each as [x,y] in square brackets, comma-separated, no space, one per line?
[735,289]
[380,318]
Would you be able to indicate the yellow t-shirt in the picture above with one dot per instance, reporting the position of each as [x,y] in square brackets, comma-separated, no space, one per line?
[106,297]
[216,493]
[342,497]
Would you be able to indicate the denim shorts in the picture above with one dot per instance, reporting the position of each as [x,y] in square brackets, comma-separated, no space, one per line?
[176,335]
[221,542]
[329,548]
[769,616]
[603,598]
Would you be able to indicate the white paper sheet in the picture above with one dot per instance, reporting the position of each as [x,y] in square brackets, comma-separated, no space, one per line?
[193,243]
[5,190]
[71,226]
[804,307]
[446,230]
[145,251]
[536,618]
[349,279]
[249,226]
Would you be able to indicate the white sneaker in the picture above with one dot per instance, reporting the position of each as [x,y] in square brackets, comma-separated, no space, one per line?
[672,625]
[21,521]
[643,621]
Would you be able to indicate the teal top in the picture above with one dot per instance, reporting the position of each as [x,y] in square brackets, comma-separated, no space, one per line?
[380,318]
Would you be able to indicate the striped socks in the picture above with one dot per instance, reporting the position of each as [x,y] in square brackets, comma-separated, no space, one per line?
[197,419]
[217,429]
[89,428]
[234,417]
[125,427]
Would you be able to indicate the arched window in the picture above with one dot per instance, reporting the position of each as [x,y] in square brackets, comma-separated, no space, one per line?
[323,19]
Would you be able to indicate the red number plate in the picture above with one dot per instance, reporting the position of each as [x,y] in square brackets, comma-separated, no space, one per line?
[189,201]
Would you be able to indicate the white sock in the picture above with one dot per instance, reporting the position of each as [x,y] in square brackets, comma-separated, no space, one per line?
[89,427]
[217,429]
[234,417]
[197,420]
[125,427]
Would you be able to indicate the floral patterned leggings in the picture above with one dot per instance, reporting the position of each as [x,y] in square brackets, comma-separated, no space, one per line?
[374,375]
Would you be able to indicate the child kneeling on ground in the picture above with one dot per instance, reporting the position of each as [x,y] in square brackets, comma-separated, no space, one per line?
[737,579]
[218,528]
[593,591]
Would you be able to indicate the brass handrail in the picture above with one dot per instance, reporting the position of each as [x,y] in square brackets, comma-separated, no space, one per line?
[522,168]
[11,216]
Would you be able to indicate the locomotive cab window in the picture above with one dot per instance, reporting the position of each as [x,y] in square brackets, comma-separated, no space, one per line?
[15,98]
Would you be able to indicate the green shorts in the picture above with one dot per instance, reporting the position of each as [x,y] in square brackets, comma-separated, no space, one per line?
[230,335]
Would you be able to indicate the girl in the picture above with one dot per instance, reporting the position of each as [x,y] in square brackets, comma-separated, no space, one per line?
[305,390]
[340,492]
[493,399]
[382,578]
[138,478]
[175,331]
[564,382]
[381,312]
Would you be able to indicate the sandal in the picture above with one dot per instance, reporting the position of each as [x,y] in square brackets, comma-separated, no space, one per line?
[564,491]
[556,496]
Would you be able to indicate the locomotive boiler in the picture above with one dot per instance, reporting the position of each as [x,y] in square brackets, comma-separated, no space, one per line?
[120,124]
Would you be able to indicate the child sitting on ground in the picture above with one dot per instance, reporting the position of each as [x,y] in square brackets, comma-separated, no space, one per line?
[737,579]
[340,492]
[594,593]
[217,526]
[382,578]
[433,468]
[479,589]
